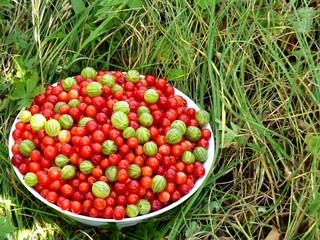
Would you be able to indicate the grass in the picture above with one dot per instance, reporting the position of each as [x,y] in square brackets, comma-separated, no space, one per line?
[253,64]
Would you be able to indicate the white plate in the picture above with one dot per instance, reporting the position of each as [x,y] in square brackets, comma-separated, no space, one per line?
[126,221]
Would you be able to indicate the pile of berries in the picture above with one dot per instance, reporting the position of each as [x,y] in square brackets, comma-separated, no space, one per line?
[111,144]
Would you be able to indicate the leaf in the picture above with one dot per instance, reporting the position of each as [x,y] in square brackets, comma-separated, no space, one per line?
[262,210]
[228,138]
[109,226]
[24,103]
[315,205]
[274,234]
[193,228]
[213,207]
[257,148]
[107,6]
[235,127]
[25,91]
[19,39]
[175,74]
[5,227]
[18,90]
[147,229]
[305,19]
[135,4]
[231,135]
[30,63]
[298,53]
[6,3]
[112,3]
[78,6]
[19,66]
[4,103]
[31,83]
[241,140]
[163,49]
[204,3]
[313,143]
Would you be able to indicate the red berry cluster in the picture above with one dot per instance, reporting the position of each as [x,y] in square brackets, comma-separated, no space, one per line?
[81,143]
